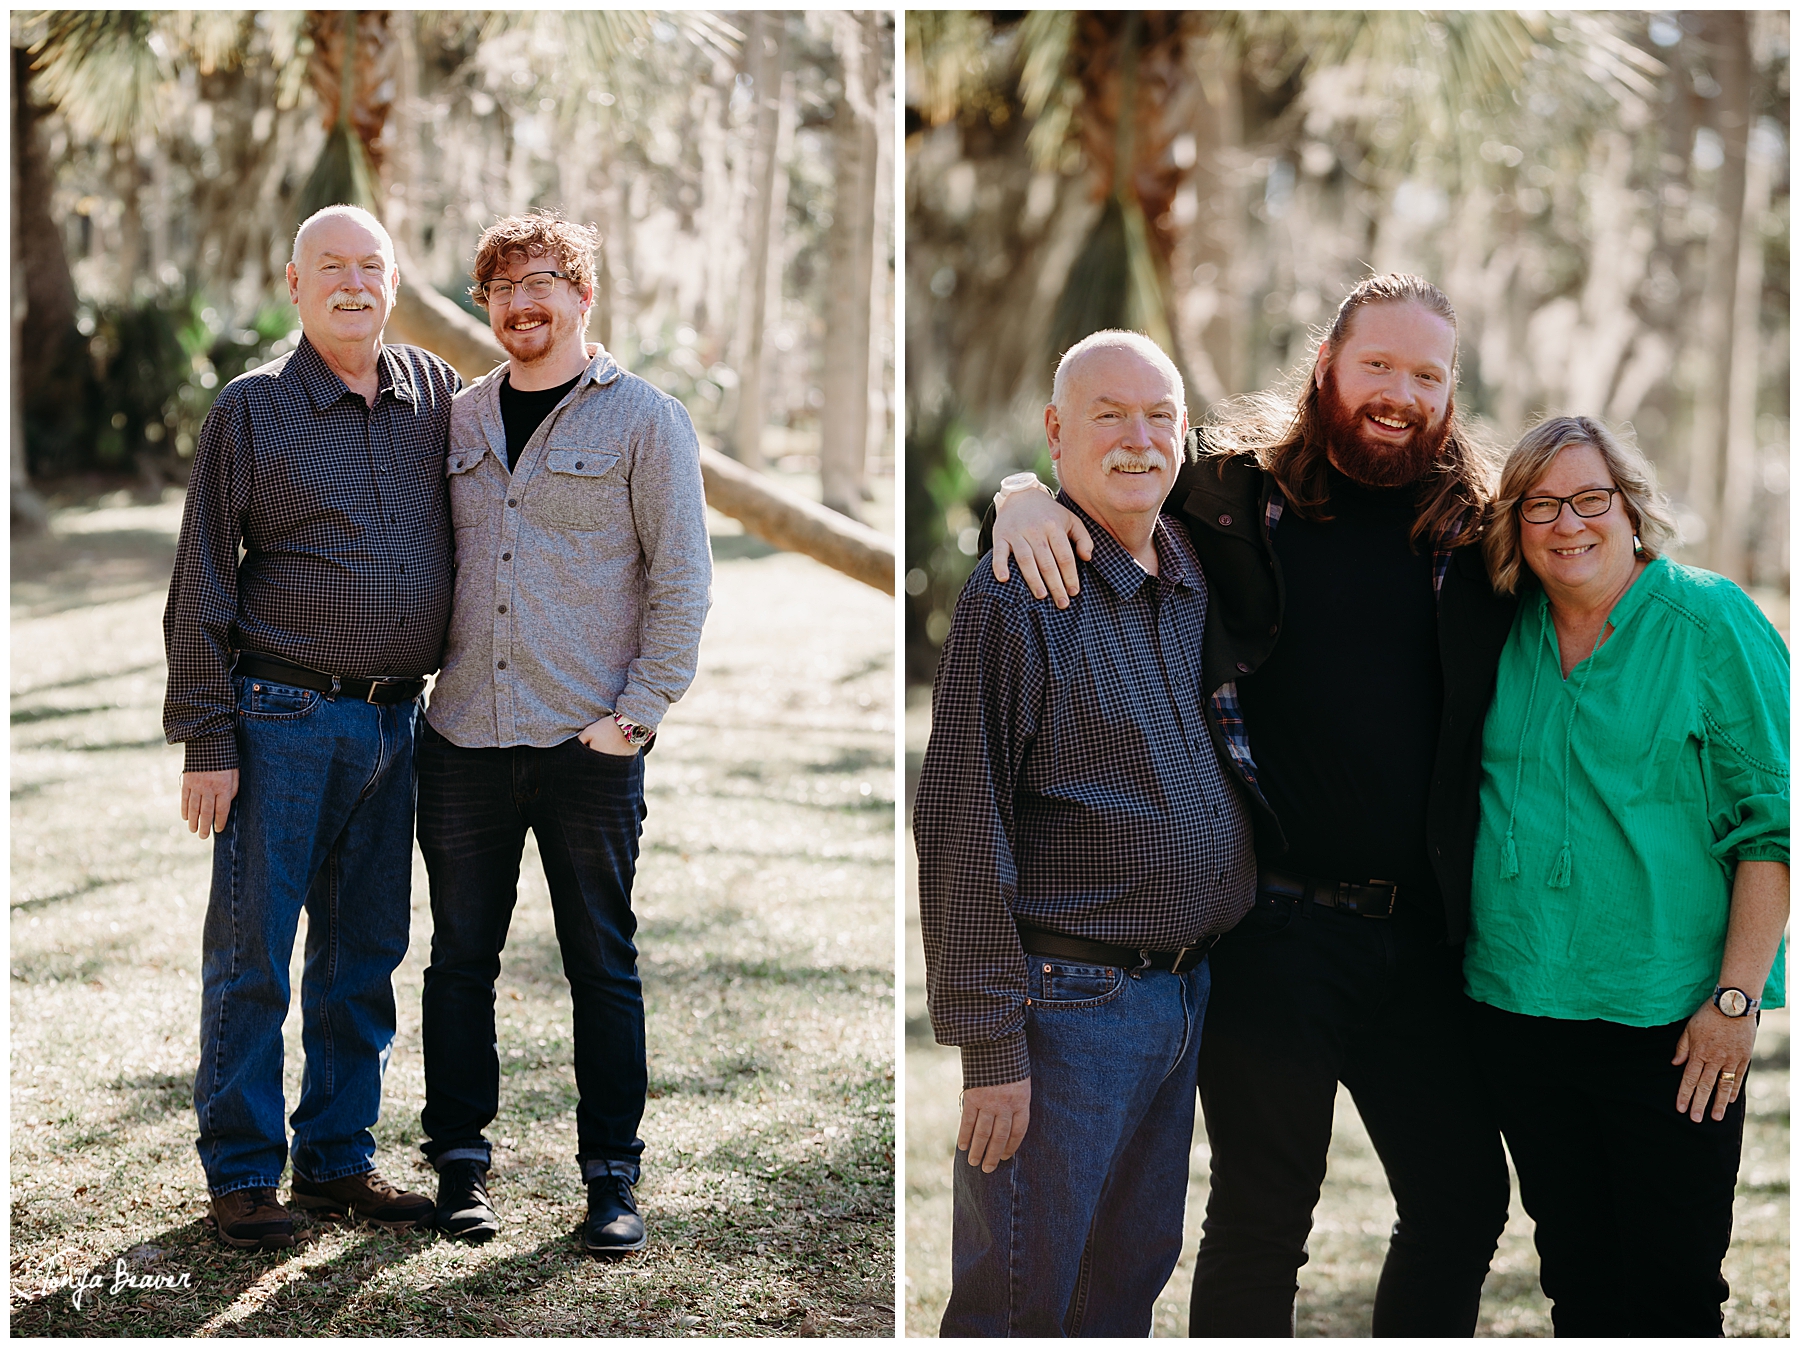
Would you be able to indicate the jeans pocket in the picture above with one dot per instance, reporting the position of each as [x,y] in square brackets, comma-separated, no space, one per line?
[1065,985]
[261,700]
[1271,915]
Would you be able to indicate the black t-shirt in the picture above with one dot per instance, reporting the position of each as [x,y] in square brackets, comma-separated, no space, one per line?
[1343,716]
[524,410]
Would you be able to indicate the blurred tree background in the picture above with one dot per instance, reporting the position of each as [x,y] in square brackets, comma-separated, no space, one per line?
[735,163]
[1603,196]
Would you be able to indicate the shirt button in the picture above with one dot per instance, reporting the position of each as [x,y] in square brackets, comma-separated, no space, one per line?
[506,556]
[1274,628]
[580,464]
[503,664]
[513,501]
[503,608]
[1224,521]
[1243,668]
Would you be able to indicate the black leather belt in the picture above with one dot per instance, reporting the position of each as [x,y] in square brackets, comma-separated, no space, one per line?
[1364,898]
[382,692]
[1054,945]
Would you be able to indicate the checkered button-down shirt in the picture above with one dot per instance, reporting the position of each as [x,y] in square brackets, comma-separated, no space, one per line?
[1071,783]
[340,510]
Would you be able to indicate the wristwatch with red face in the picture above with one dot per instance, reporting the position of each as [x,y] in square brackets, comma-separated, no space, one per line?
[1734,1002]
[635,735]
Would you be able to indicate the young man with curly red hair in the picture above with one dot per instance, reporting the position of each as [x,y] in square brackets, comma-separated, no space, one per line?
[583,577]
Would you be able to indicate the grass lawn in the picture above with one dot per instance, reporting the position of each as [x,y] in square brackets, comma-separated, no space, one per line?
[1355,1212]
[765,899]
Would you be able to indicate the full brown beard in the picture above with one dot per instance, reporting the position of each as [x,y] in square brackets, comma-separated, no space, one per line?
[1375,463]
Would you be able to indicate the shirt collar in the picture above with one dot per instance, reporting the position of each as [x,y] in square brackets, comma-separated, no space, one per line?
[323,386]
[1654,578]
[602,368]
[1175,558]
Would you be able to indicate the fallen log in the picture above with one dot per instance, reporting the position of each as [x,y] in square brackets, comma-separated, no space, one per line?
[422,317]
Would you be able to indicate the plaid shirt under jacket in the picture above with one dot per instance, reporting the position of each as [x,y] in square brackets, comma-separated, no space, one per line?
[1070,782]
[340,509]
[1225,701]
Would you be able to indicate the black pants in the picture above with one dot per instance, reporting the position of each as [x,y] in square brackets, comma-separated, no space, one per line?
[586,809]
[1632,1200]
[1305,997]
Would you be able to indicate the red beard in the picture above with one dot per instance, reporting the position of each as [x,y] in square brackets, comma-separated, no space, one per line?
[1376,463]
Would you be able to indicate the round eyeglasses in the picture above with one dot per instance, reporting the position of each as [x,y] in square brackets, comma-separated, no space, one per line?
[537,285]
[1587,504]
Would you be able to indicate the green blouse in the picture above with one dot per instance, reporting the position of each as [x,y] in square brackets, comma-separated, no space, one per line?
[1616,804]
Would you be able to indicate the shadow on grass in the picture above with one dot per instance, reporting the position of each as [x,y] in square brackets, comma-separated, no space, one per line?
[179,1280]
[34,715]
[740,548]
[86,680]
[87,886]
[71,966]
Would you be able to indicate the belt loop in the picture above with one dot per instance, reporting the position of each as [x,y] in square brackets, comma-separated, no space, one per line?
[337,686]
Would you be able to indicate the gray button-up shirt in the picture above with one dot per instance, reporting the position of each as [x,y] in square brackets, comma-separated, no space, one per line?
[583,575]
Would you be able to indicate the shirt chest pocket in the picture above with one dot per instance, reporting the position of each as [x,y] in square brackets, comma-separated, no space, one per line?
[469,473]
[581,488]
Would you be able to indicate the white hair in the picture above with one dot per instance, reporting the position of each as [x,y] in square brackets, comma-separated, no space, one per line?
[356,213]
[1116,339]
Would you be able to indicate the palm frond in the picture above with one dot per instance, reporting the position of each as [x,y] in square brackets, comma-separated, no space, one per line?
[101,68]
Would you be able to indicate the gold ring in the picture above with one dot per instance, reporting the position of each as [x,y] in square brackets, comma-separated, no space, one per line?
[1728,1076]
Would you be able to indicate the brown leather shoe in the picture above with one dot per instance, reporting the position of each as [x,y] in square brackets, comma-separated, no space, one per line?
[367,1196]
[253,1219]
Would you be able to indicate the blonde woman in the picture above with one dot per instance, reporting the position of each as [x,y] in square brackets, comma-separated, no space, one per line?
[1630,884]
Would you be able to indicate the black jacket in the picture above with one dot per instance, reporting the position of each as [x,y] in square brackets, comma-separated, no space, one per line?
[1223,502]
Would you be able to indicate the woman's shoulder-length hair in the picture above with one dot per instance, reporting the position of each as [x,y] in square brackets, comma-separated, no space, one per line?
[1651,518]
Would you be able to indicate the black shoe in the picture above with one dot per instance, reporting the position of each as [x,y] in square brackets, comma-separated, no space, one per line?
[463,1209]
[613,1225]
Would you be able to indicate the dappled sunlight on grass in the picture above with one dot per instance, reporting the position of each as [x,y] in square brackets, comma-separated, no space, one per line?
[765,904]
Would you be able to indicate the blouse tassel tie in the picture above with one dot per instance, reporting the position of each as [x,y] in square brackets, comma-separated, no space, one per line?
[1509,852]
[1563,871]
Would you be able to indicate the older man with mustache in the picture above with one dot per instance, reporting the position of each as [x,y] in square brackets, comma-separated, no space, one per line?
[1351,650]
[294,674]
[1082,843]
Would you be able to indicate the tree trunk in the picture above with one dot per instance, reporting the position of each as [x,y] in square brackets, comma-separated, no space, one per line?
[778,517]
[881,321]
[767,52]
[1729,34]
[1731,548]
[43,291]
[844,420]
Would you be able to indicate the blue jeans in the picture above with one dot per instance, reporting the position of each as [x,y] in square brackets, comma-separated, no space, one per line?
[587,810]
[1078,1232]
[322,821]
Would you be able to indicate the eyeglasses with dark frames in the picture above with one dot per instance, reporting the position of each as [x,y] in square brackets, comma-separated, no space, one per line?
[537,285]
[1587,504]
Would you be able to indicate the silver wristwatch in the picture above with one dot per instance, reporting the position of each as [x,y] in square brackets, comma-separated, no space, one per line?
[1734,1002]
[1018,482]
[635,735]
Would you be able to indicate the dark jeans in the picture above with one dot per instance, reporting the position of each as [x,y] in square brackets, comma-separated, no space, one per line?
[1632,1200]
[1305,997]
[1078,1232]
[587,809]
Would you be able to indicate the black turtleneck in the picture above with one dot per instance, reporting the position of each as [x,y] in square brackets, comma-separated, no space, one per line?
[522,411]
[1343,716]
